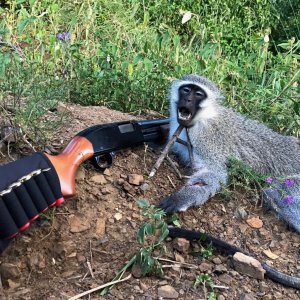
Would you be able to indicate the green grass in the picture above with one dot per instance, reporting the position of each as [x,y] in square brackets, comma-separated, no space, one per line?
[123,54]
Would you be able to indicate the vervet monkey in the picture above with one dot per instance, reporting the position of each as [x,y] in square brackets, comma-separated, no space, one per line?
[217,134]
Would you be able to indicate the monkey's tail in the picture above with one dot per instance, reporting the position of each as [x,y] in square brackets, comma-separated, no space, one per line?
[282,278]
[229,249]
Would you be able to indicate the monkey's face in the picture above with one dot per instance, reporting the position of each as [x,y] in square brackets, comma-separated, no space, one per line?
[190,97]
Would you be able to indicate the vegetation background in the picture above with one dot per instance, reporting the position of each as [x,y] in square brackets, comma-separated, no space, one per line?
[123,54]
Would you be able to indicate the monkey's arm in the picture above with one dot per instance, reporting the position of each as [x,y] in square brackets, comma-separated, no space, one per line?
[203,184]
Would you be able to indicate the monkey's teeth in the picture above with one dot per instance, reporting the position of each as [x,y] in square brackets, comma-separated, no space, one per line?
[184,116]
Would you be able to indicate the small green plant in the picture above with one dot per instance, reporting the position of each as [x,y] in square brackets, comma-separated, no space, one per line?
[151,236]
[204,253]
[206,280]
[243,177]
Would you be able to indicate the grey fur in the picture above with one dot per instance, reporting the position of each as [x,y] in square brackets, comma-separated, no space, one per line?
[225,135]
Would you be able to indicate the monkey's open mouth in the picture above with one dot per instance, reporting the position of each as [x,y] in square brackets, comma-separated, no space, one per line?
[184,114]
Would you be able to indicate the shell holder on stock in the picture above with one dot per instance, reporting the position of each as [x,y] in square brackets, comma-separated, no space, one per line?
[28,187]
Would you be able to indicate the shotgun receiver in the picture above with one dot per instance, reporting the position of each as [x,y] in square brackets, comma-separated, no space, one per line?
[31,185]
[98,143]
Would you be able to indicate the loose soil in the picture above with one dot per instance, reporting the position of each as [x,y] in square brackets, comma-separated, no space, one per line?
[98,227]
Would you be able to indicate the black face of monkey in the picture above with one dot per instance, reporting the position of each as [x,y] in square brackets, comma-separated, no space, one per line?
[190,96]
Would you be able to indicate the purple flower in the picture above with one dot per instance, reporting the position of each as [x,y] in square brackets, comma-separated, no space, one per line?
[269,180]
[288,199]
[63,36]
[289,182]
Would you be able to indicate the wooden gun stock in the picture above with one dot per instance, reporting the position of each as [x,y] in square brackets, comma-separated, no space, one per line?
[66,164]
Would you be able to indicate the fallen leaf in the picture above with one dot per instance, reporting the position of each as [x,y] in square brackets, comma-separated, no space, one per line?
[270,254]
[186,17]
[255,222]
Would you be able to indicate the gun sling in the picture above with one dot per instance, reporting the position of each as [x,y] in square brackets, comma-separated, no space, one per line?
[28,187]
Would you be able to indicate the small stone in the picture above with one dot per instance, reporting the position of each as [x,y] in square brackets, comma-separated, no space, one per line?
[100,227]
[217,260]
[118,216]
[61,107]
[263,287]
[107,172]
[205,267]
[78,224]
[270,254]
[136,271]
[179,258]
[135,179]
[167,291]
[99,179]
[182,245]
[127,187]
[247,297]
[9,271]
[63,249]
[241,212]
[144,287]
[144,187]
[12,284]
[80,175]
[221,297]
[219,269]
[120,181]
[248,265]
[225,278]
[80,258]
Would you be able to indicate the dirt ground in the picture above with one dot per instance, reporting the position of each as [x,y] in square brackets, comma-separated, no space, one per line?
[98,227]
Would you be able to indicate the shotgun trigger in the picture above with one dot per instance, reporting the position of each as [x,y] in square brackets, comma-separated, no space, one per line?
[103,161]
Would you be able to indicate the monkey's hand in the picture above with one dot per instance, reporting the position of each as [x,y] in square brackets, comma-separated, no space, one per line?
[196,192]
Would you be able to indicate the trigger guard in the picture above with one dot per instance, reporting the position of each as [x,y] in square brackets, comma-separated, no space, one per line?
[103,161]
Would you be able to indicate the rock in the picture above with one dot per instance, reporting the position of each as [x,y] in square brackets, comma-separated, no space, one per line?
[127,187]
[135,179]
[9,271]
[263,287]
[80,175]
[219,269]
[36,261]
[270,254]
[107,172]
[63,249]
[78,224]
[167,291]
[12,284]
[225,278]
[182,245]
[118,216]
[248,265]
[144,187]
[99,179]
[217,260]
[221,297]
[100,227]
[247,297]
[241,212]
[61,107]
[205,267]
[179,258]
[136,271]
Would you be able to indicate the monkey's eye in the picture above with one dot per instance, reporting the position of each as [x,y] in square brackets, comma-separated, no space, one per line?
[186,90]
[200,94]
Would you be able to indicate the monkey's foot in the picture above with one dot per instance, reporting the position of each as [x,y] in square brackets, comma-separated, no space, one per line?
[287,210]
